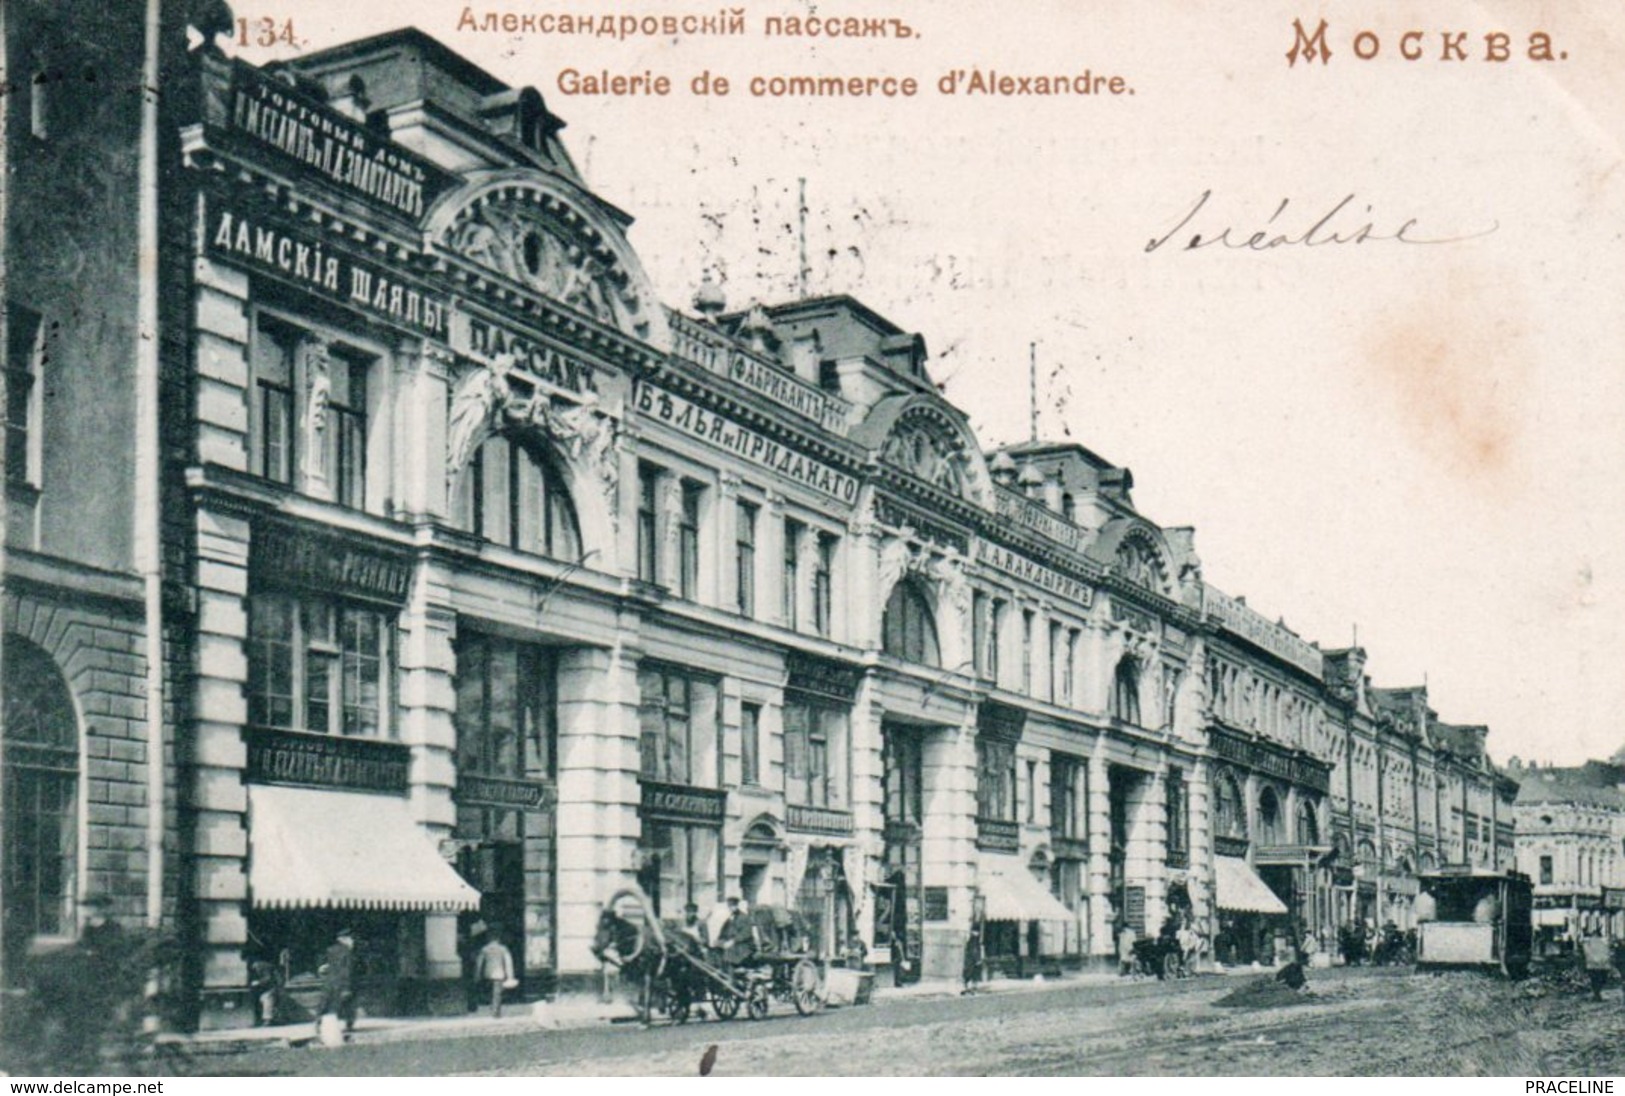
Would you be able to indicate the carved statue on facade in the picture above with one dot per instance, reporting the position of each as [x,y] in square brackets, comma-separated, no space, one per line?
[900,555]
[477,403]
[319,389]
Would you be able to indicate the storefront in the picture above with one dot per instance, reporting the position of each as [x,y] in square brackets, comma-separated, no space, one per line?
[507,738]
[1253,922]
[899,925]
[822,861]
[331,842]
[1069,850]
[681,806]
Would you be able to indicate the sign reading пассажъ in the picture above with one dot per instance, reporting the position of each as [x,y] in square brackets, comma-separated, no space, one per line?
[682,803]
[484,339]
[726,434]
[326,761]
[268,246]
[322,142]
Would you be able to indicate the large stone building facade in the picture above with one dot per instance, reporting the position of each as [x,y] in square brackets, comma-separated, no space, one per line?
[1570,830]
[492,585]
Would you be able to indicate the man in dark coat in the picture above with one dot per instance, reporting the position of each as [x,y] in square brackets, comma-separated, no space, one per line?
[338,981]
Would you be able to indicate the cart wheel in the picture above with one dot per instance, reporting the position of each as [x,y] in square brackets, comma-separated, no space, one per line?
[806,988]
[726,1004]
[758,1003]
[1170,966]
[678,1006]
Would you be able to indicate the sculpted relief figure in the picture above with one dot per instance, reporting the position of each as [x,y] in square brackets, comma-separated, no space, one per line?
[319,382]
[477,404]
[518,242]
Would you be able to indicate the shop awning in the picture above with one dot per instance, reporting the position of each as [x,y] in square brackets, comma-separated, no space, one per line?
[1240,890]
[1557,918]
[1014,895]
[311,849]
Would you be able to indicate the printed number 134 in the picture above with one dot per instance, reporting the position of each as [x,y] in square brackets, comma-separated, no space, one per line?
[265,32]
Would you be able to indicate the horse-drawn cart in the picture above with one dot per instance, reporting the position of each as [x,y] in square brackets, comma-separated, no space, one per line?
[677,974]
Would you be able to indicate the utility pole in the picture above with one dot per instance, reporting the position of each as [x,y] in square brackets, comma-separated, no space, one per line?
[801,220]
[1032,390]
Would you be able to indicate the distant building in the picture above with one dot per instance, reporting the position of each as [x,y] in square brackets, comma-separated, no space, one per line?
[492,585]
[1571,844]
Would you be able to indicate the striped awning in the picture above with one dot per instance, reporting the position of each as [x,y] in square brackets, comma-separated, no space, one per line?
[1012,894]
[316,849]
[1240,890]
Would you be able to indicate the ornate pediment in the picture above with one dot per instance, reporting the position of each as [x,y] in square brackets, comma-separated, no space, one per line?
[1139,561]
[927,455]
[545,241]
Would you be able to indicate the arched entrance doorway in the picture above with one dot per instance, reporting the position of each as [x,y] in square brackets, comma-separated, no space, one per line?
[41,824]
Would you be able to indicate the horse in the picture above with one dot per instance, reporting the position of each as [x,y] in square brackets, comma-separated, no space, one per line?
[631,938]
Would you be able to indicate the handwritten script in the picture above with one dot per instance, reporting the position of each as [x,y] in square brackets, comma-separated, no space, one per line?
[1341,224]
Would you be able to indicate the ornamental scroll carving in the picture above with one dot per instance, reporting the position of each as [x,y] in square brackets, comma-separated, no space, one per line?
[1140,563]
[542,245]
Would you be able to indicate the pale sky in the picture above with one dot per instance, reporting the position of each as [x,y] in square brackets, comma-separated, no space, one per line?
[1418,440]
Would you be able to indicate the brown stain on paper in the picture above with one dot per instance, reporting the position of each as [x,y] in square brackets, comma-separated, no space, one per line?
[1455,364]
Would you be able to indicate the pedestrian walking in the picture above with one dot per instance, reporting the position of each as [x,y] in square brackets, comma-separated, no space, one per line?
[1125,950]
[971,974]
[1595,958]
[495,968]
[338,982]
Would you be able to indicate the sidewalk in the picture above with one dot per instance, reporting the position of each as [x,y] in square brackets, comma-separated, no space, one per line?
[570,1013]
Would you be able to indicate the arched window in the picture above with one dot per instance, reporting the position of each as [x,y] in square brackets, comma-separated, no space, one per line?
[41,847]
[1270,822]
[1308,824]
[1232,821]
[909,628]
[513,495]
[1125,703]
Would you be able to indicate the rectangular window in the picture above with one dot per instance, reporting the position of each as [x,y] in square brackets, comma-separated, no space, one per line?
[321,665]
[1027,651]
[1546,871]
[24,330]
[745,557]
[1032,791]
[678,718]
[273,404]
[1068,669]
[1057,654]
[688,541]
[505,716]
[814,754]
[750,744]
[347,431]
[1178,818]
[824,585]
[1067,776]
[648,533]
[995,638]
[995,780]
[792,570]
[978,632]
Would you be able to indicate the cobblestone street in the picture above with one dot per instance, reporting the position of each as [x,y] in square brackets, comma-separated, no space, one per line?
[1349,1023]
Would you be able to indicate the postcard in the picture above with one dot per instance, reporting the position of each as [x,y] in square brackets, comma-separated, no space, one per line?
[793,540]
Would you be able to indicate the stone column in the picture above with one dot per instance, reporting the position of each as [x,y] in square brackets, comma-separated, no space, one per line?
[423,483]
[770,560]
[725,523]
[948,845]
[219,799]
[1101,925]
[428,702]
[598,823]
[868,799]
